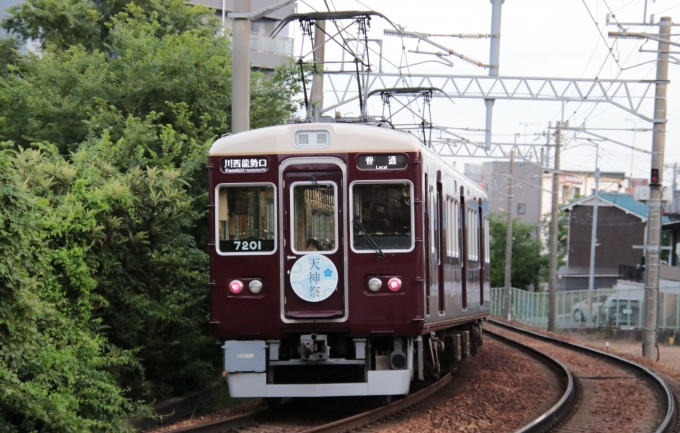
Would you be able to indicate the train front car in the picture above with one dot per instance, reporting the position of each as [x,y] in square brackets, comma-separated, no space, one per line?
[318,265]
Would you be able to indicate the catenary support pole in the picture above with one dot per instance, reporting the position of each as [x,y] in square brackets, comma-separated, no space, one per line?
[240,70]
[554,228]
[507,297]
[593,238]
[649,330]
[317,85]
[494,57]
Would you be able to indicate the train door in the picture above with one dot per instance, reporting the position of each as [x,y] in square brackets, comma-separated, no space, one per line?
[428,260]
[441,251]
[313,254]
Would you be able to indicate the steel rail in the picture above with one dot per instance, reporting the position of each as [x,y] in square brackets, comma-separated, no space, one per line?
[350,423]
[366,418]
[651,377]
[226,424]
[566,402]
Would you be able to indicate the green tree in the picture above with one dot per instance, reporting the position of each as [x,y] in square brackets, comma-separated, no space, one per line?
[528,261]
[55,370]
[109,130]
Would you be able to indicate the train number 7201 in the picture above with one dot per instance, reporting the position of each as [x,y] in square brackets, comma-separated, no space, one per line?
[248,245]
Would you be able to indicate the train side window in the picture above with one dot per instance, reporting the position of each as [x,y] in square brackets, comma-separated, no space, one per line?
[487,256]
[385,212]
[472,235]
[314,217]
[246,219]
[456,224]
[449,247]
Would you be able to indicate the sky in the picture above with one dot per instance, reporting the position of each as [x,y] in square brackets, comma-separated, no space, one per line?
[539,38]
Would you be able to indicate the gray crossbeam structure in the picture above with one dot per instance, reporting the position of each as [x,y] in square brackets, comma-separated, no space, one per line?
[468,149]
[627,95]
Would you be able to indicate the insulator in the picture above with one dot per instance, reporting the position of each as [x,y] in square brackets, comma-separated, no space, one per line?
[472,35]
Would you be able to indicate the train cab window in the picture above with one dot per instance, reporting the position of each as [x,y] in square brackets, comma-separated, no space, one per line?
[384,212]
[314,217]
[246,219]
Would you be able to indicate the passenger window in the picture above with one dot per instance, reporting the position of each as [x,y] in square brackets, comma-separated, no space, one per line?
[384,211]
[246,219]
[314,217]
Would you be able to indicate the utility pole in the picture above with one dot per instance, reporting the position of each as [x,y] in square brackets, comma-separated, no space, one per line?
[593,238]
[494,59]
[539,226]
[507,298]
[656,178]
[554,228]
[317,84]
[240,69]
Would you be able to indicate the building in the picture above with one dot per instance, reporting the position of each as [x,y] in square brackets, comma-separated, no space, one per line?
[266,53]
[526,201]
[574,184]
[621,226]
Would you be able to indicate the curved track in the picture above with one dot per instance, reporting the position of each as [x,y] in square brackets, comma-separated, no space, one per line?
[568,391]
[597,374]
[581,396]
[270,420]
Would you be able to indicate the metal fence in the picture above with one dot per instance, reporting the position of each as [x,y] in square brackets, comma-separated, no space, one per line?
[614,308]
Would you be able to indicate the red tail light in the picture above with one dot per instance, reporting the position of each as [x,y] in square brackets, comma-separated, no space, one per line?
[394,284]
[236,286]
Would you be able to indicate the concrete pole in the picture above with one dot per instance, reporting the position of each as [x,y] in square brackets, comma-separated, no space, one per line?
[224,17]
[593,238]
[494,56]
[507,297]
[240,70]
[539,226]
[317,85]
[654,216]
[554,228]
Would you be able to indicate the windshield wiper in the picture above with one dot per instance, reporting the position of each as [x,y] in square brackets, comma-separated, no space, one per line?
[368,237]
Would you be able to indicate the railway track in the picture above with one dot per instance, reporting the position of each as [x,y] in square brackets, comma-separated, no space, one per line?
[612,393]
[304,416]
[583,402]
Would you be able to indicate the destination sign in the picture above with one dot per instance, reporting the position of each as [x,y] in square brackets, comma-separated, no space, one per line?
[244,164]
[382,161]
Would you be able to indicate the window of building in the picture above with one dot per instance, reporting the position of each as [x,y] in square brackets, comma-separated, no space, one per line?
[566,193]
[521,208]
[254,27]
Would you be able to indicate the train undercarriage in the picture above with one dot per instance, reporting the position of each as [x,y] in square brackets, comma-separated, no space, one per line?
[335,364]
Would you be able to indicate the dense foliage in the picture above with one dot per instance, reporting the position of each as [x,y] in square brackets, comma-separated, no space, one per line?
[528,258]
[104,139]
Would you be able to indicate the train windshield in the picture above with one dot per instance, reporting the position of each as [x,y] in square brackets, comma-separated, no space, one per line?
[246,217]
[385,213]
[314,217]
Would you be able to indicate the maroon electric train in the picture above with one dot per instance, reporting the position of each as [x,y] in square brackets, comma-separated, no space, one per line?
[346,259]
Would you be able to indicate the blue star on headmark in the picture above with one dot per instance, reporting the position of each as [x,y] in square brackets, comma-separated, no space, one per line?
[328,273]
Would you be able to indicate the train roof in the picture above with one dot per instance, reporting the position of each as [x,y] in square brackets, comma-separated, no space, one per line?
[344,138]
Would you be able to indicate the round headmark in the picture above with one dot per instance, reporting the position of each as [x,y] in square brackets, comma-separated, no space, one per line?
[314,277]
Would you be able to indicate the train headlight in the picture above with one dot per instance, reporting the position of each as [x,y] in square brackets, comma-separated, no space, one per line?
[236,286]
[394,284]
[374,284]
[255,286]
